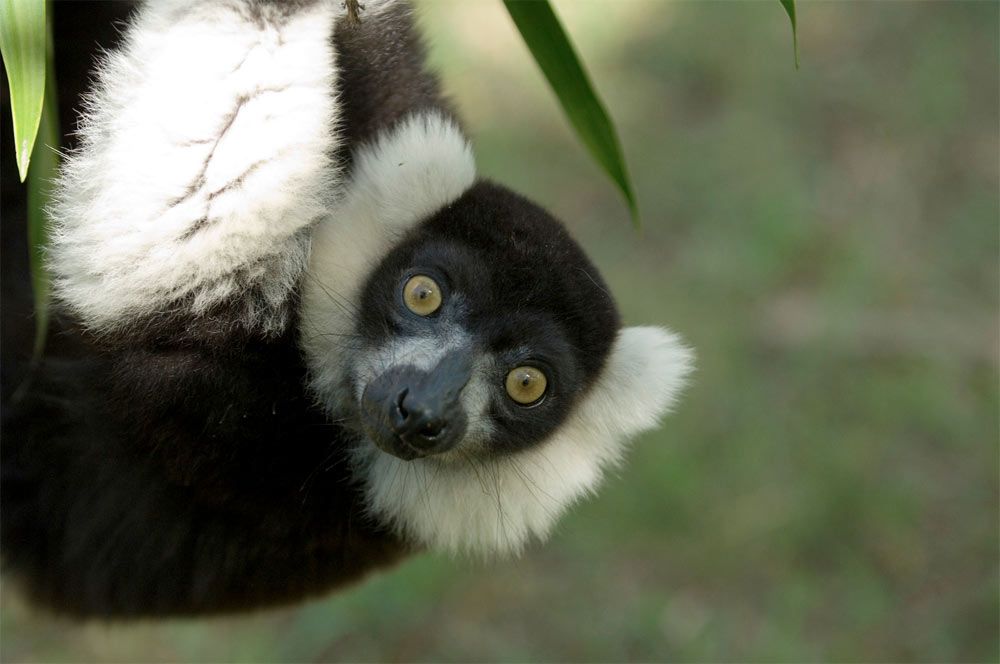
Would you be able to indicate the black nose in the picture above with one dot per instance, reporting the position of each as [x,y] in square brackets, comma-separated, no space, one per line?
[421,421]
[410,412]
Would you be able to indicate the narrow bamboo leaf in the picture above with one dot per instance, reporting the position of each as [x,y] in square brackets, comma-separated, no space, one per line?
[789,6]
[22,44]
[552,50]
[45,162]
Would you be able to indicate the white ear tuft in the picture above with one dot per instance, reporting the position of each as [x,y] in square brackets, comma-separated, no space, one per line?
[644,375]
[414,170]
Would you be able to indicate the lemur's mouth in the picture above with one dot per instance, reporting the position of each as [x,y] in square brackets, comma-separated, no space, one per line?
[413,413]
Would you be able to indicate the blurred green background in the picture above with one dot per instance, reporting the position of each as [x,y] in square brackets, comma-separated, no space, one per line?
[827,240]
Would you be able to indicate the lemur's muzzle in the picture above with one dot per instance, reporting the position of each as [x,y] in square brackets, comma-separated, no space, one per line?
[410,412]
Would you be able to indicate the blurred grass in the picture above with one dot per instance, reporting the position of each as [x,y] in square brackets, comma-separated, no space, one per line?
[828,241]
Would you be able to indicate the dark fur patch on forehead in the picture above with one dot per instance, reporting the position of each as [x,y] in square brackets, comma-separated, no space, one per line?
[535,264]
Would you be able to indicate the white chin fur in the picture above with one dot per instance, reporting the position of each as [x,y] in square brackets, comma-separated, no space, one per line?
[501,504]
[203,157]
[416,169]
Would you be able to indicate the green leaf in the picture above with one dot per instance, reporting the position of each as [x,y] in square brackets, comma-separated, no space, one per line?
[22,44]
[552,50]
[45,162]
[789,6]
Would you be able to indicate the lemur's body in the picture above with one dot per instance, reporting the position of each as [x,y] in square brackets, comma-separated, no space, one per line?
[194,443]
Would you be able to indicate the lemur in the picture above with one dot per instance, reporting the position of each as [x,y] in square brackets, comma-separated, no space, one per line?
[298,337]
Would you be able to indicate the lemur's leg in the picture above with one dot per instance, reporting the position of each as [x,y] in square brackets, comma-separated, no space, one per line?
[204,160]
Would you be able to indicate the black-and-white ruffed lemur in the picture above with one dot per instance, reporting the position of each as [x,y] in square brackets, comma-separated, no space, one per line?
[299,338]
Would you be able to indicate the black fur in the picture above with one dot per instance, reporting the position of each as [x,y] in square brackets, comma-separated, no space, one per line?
[179,466]
[383,73]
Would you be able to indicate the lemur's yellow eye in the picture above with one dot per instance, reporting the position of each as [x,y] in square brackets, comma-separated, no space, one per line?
[422,295]
[526,385]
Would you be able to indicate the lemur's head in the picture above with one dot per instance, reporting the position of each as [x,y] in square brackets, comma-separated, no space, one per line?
[472,345]
[483,326]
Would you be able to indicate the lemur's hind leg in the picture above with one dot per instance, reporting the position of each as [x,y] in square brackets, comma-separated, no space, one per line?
[204,160]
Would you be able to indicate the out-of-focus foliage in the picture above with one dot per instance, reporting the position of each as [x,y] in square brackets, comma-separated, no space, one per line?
[827,240]
[22,45]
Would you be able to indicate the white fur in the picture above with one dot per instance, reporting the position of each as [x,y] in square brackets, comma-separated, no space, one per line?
[493,507]
[204,156]
[409,173]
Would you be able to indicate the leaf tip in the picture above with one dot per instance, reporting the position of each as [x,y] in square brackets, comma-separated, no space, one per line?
[23,159]
[633,210]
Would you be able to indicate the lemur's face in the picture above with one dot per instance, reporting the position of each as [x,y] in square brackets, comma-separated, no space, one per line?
[477,341]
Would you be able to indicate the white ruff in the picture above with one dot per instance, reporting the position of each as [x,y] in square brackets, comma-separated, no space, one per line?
[204,151]
[497,507]
[411,172]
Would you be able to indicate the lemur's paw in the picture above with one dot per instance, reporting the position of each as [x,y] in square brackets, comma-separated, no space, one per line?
[204,156]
